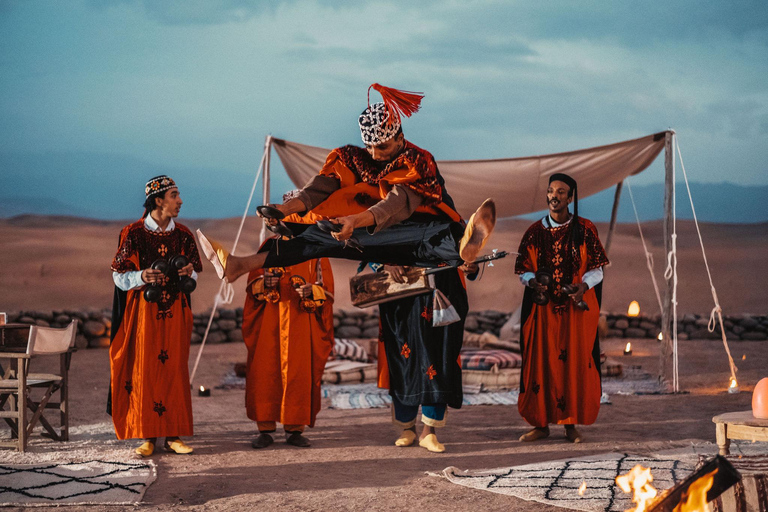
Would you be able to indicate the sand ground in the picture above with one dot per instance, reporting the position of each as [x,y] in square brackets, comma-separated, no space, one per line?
[353,464]
[62,263]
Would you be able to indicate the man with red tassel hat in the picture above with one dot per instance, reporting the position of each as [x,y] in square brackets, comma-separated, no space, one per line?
[385,203]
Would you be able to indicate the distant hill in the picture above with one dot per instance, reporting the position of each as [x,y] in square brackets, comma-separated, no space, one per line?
[110,186]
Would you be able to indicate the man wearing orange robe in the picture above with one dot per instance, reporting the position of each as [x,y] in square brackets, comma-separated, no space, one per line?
[288,330]
[386,203]
[149,391]
[560,380]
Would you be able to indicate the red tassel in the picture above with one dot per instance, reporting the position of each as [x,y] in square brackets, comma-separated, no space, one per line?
[397,101]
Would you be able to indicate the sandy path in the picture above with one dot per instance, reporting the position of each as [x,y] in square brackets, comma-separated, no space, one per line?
[353,464]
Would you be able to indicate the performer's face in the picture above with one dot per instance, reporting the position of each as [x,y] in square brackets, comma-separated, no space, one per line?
[388,150]
[170,204]
[557,196]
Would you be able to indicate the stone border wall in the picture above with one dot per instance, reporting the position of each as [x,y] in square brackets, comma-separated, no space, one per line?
[94,325]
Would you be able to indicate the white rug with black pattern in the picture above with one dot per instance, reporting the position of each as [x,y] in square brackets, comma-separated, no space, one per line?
[92,468]
[75,483]
[557,483]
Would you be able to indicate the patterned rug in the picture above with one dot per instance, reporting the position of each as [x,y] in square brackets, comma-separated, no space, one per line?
[557,483]
[369,396]
[93,467]
[75,483]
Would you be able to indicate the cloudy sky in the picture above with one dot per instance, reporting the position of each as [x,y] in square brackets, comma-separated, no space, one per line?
[193,86]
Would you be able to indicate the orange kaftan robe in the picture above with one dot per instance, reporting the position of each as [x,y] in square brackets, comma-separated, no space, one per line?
[560,380]
[287,348]
[150,350]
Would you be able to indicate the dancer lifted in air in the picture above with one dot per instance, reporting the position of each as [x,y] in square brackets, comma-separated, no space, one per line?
[385,203]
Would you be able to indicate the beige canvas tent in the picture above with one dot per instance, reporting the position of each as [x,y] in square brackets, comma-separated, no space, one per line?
[520,185]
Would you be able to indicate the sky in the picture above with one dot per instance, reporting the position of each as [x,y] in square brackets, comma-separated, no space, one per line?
[193,87]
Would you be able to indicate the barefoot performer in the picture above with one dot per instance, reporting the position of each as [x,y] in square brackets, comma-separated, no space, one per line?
[154,270]
[288,330]
[385,203]
[561,264]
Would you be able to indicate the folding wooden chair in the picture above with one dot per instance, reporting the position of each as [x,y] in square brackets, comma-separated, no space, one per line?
[16,390]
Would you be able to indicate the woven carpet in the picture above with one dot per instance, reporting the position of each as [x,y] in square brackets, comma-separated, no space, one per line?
[75,483]
[93,467]
[369,396]
[557,483]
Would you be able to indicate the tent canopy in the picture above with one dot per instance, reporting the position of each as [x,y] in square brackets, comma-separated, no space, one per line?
[519,185]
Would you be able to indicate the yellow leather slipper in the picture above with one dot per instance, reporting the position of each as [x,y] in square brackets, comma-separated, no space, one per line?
[406,438]
[478,229]
[431,443]
[146,449]
[178,446]
[214,253]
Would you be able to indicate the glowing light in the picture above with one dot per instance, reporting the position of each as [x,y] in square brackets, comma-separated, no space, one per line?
[660,337]
[583,488]
[744,357]
[202,388]
[628,349]
[733,386]
[634,308]
[695,498]
[638,481]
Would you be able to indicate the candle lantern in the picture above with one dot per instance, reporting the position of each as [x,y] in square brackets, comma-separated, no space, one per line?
[204,391]
[628,349]
[634,308]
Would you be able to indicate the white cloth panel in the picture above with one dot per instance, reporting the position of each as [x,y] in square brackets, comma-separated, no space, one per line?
[519,185]
[49,340]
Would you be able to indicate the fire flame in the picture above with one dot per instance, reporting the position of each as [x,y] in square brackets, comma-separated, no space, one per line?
[628,348]
[634,308]
[695,499]
[202,388]
[660,337]
[638,481]
[583,488]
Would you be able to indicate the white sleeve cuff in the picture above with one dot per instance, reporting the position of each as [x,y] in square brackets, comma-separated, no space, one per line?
[593,277]
[527,276]
[128,280]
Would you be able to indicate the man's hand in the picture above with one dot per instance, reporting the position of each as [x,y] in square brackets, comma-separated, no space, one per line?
[348,224]
[537,286]
[469,268]
[152,275]
[271,222]
[186,270]
[397,272]
[304,291]
[579,293]
[271,279]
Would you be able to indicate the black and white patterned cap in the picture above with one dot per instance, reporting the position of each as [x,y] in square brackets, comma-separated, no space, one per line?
[158,184]
[375,125]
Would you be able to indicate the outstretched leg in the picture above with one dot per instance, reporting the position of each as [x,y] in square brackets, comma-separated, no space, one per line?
[417,243]
[228,266]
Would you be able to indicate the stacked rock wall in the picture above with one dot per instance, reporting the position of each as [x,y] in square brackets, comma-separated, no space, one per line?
[94,325]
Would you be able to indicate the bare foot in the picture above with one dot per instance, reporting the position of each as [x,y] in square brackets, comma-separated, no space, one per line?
[535,434]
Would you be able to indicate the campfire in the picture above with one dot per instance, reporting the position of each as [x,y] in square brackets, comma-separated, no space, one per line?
[691,495]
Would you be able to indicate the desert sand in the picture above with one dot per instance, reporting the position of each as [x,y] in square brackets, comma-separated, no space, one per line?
[60,263]
[49,263]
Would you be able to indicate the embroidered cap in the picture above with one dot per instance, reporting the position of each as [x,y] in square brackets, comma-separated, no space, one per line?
[159,184]
[381,121]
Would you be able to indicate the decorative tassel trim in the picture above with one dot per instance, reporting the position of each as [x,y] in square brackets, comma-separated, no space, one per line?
[397,102]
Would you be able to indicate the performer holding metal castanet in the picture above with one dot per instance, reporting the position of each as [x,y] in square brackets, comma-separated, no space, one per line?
[560,262]
[154,270]
[385,203]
